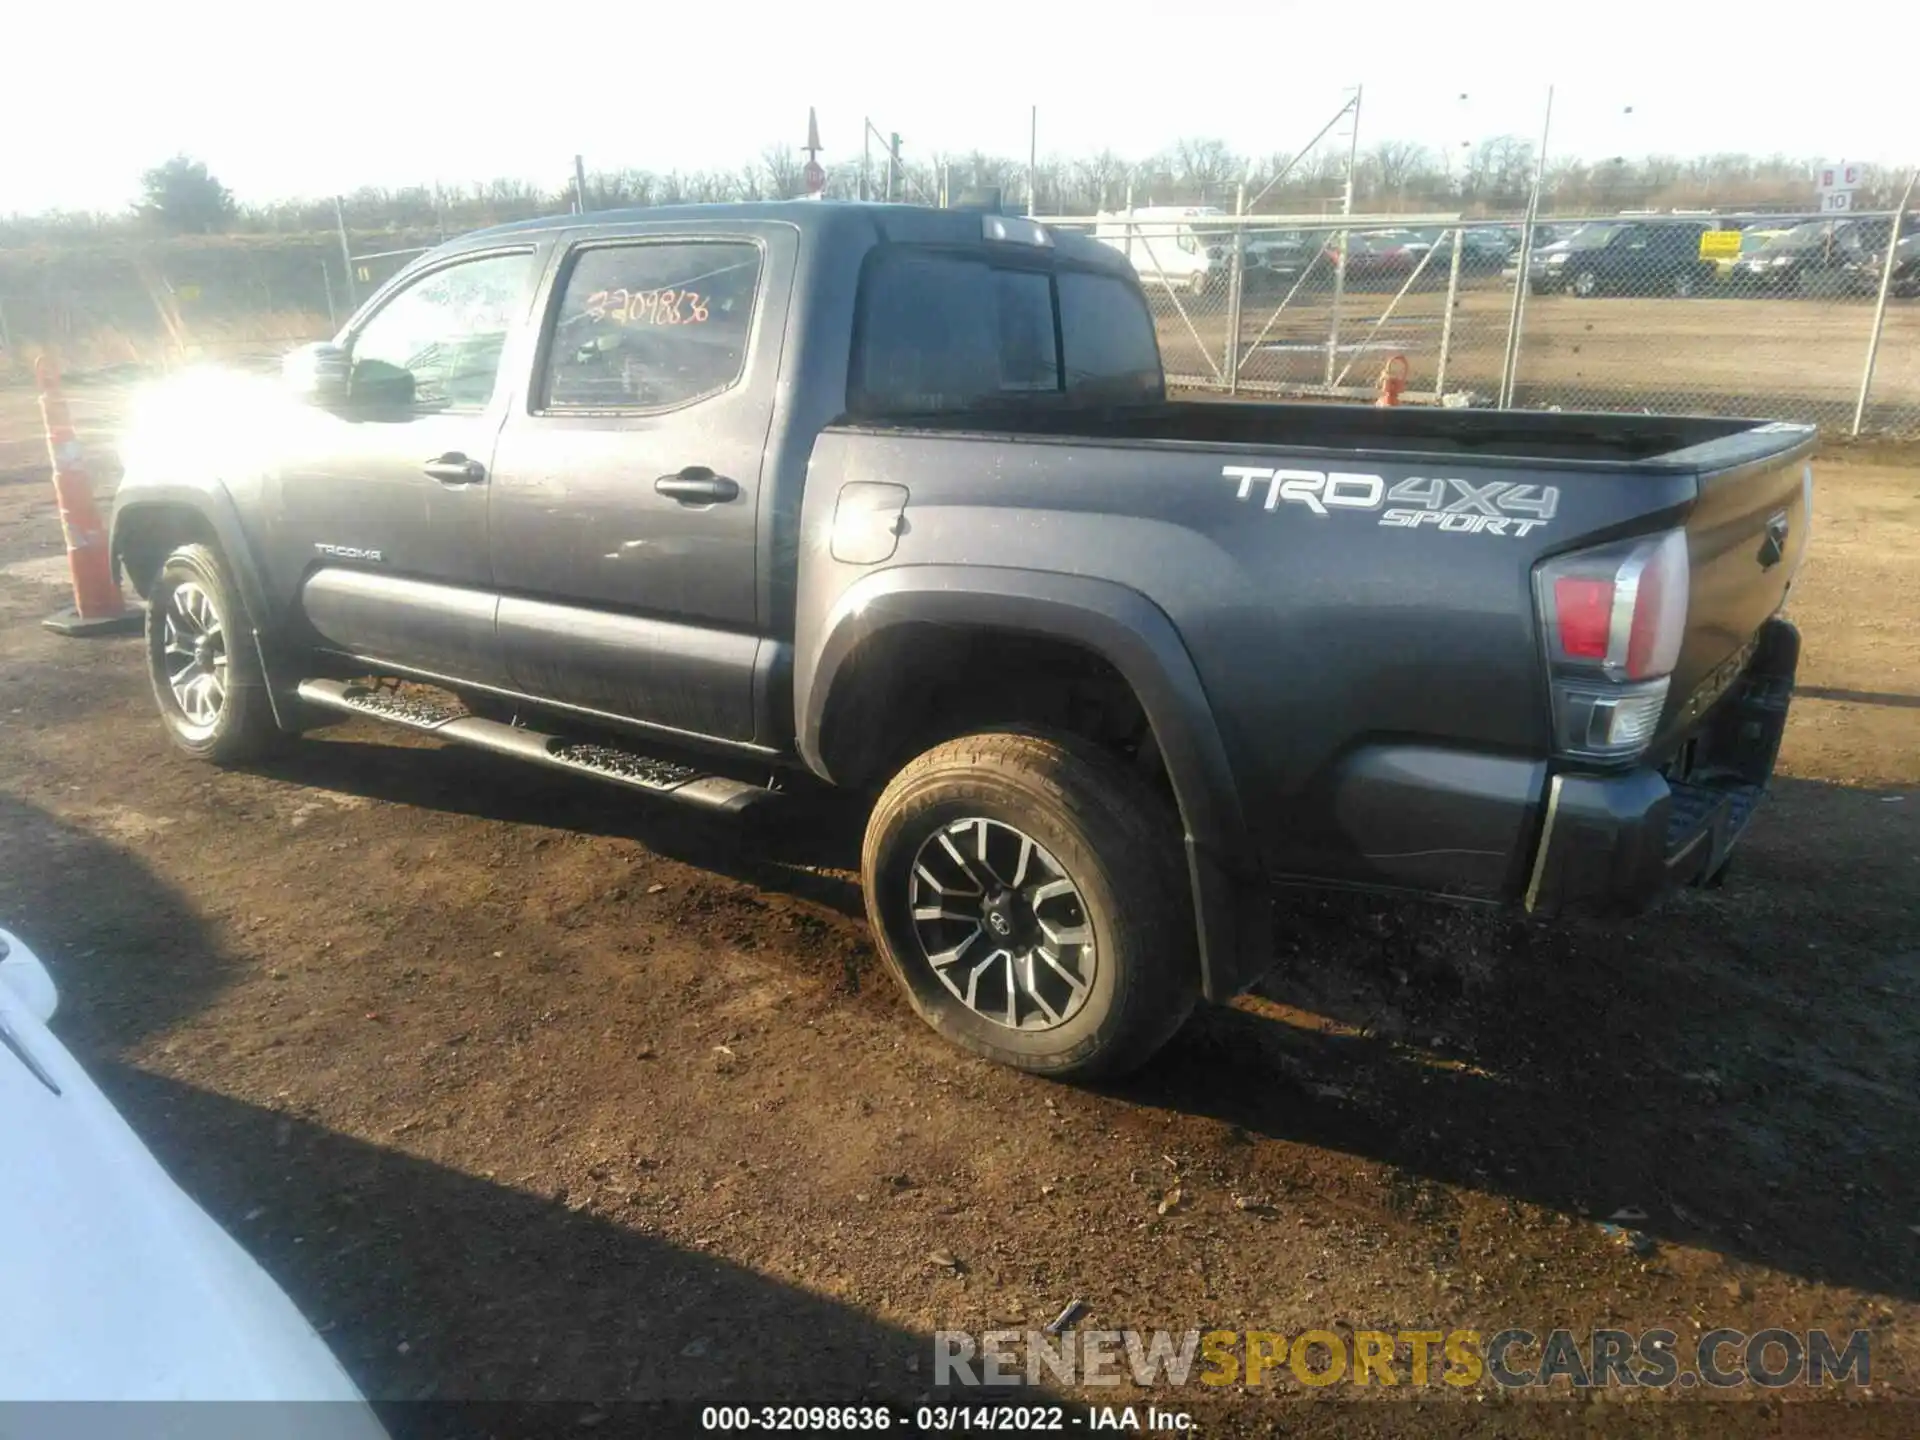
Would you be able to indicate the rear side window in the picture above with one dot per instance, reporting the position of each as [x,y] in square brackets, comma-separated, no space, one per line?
[1112,354]
[941,333]
[651,326]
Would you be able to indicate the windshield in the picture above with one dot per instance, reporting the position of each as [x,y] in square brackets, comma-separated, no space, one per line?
[1592,237]
[1801,236]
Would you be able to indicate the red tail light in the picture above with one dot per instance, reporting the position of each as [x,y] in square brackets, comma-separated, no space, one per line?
[1613,619]
[1585,611]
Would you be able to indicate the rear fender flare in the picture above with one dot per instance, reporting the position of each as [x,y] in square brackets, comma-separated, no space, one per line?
[1132,634]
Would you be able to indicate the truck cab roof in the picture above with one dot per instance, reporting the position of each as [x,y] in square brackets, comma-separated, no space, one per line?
[841,221]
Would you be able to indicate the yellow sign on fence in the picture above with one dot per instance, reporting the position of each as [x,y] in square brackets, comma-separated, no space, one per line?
[1719,244]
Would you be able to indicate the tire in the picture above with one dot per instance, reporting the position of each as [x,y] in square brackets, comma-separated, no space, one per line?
[1197,284]
[1684,284]
[202,663]
[1586,285]
[1090,822]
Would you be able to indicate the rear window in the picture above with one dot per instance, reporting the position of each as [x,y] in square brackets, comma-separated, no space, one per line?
[941,333]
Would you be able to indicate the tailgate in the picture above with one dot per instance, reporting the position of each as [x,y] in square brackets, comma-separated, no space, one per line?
[1746,535]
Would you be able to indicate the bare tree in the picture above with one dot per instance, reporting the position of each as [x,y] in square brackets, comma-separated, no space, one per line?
[784,172]
[1206,169]
[1392,165]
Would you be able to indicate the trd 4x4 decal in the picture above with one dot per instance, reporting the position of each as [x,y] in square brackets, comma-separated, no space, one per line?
[1450,505]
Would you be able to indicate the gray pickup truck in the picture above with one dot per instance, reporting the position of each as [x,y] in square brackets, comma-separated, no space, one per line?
[716,502]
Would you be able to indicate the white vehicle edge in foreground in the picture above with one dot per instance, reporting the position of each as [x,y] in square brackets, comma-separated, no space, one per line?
[119,1286]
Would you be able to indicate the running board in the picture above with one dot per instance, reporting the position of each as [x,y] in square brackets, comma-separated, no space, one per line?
[638,771]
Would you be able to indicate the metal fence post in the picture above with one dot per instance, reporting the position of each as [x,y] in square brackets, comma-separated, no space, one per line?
[326,283]
[1236,288]
[346,250]
[1346,236]
[1517,316]
[1446,320]
[1880,305]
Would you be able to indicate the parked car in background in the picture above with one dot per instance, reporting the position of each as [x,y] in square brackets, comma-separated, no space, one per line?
[118,1286]
[1167,248]
[1865,273]
[1379,257]
[1624,257]
[1484,249]
[1283,253]
[1834,253]
[1727,270]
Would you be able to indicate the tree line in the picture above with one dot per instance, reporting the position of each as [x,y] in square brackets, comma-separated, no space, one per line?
[1493,177]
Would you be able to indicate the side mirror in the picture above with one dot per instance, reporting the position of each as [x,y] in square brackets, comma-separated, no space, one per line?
[317,375]
[378,385]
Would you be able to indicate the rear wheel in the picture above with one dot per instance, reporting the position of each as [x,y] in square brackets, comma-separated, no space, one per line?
[1586,284]
[200,658]
[1684,284]
[1027,892]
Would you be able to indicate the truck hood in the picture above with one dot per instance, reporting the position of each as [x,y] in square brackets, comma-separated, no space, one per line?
[117,1286]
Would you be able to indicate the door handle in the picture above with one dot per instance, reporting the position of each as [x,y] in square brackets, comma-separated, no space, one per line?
[697,485]
[454,468]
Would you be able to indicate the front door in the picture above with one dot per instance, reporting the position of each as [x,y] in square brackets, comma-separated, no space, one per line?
[626,500]
[379,522]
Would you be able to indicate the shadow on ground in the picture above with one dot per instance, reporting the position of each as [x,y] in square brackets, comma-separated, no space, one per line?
[783,848]
[437,1285]
[128,951]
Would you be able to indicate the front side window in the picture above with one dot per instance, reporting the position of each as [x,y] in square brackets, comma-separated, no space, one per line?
[652,326]
[438,343]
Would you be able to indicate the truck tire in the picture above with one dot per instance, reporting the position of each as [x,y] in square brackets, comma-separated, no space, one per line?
[1067,951]
[201,660]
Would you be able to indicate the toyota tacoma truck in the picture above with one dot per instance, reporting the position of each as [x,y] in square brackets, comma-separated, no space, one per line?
[718,502]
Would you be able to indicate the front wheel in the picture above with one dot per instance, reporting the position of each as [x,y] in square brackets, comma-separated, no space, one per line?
[200,658]
[1586,284]
[1028,893]
[1684,284]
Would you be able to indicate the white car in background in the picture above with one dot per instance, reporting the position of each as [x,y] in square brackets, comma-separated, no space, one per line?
[1165,245]
[116,1285]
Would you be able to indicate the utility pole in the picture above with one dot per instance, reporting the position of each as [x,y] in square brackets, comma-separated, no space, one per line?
[1033,159]
[579,186]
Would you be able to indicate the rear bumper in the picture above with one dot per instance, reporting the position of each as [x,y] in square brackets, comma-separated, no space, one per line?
[1510,829]
[1613,844]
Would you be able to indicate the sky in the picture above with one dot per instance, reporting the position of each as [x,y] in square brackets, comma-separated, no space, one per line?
[283,102]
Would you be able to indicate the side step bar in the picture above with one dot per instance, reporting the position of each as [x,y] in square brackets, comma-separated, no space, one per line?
[670,778]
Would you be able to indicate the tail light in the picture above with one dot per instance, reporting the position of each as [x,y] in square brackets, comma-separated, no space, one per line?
[1613,619]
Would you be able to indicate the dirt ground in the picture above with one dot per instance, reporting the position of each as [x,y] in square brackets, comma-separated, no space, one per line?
[527,1090]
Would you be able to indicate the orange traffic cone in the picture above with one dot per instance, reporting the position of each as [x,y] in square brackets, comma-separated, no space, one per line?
[98,608]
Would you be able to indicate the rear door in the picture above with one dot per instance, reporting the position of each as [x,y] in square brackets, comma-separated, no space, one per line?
[626,503]
[378,521]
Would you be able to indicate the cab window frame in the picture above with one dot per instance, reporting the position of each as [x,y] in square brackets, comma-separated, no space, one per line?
[567,263]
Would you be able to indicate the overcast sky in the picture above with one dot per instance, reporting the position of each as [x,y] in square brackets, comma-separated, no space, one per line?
[284,101]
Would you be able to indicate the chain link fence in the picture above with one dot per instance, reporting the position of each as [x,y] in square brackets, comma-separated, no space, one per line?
[1770,316]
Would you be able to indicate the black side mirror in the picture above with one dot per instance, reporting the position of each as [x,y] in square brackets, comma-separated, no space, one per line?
[379,385]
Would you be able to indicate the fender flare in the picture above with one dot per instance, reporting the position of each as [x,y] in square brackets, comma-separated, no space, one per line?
[1232,910]
[215,507]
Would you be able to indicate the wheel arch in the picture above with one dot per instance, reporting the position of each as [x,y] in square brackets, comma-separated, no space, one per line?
[851,676]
